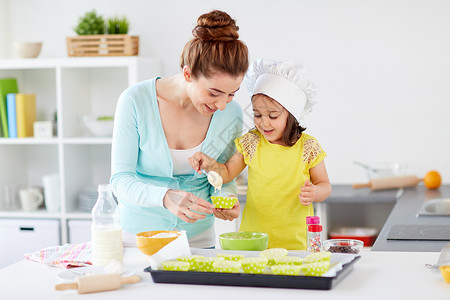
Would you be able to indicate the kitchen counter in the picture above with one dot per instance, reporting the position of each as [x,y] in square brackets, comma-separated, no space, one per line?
[395,275]
[405,213]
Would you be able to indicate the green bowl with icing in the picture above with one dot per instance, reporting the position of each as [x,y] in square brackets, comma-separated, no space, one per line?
[244,240]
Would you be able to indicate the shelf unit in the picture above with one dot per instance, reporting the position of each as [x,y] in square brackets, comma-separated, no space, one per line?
[71,87]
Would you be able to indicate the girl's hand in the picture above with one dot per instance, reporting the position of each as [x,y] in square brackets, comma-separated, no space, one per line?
[228,214]
[200,161]
[307,193]
[186,206]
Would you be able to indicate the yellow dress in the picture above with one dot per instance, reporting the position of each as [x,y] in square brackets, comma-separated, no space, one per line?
[275,175]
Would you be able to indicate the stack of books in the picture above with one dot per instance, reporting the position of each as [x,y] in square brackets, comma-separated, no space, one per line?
[17,110]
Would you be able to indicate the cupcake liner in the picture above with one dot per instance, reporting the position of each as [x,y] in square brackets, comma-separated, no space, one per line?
[314,269]
[190,259]
[286,270]
[233,257]
[224,202]
[273,253]
[205,264]
[175,266]
[254,265]
[288,260]
[226,266]
[317,257]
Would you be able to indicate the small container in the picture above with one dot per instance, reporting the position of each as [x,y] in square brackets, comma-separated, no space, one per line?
[314,238]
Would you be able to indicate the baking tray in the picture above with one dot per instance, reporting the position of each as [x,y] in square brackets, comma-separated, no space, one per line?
[259,280]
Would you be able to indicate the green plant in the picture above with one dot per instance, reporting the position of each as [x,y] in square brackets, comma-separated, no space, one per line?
[90,23]
[118,25]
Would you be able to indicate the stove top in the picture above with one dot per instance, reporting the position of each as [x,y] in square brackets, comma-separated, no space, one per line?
[419,232]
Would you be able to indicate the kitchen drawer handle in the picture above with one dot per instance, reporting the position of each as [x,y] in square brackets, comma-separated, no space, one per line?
[26,228]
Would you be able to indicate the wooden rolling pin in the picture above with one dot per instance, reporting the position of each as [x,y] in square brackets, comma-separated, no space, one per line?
[389,182]
[97,283]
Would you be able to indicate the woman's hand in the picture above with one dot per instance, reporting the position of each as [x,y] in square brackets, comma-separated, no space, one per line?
[228,214]
[200,161]
[186,206]
[307,193]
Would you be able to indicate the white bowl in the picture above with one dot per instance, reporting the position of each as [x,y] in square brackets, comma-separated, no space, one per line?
[98,128]
[27,49]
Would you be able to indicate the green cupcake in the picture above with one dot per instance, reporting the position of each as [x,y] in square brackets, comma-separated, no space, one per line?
[175,265]
[226,266]
[288,260]
[322,256]
[315,269]
[286,270]
[254,265]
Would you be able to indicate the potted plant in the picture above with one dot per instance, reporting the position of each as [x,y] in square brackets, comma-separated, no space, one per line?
[99,38]
[118,25]
[90,24]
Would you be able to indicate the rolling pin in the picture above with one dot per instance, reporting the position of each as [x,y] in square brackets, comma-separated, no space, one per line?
[386,183]
[97,283]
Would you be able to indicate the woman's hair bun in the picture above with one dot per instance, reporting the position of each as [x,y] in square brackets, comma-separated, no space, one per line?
[216,26]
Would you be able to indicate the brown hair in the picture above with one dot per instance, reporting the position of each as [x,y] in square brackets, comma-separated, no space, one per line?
[292,131]
[215,47]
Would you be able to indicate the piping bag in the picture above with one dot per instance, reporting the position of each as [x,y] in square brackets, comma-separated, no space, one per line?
[386,183]
[178,247]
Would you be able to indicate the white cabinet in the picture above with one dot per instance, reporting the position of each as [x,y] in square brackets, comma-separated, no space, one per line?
[79,231]
[71,87]
[21,236]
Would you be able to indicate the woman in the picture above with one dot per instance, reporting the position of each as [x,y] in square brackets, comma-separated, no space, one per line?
[161,122]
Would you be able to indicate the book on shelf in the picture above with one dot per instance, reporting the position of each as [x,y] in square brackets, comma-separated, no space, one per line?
[7,85]
[25,114]
[11,113]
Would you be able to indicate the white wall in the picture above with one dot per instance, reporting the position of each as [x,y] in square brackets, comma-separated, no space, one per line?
[3,29]
[382,67]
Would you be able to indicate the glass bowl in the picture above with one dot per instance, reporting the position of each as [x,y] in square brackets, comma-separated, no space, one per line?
[343,246]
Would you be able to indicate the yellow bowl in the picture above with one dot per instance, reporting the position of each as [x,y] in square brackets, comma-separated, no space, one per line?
[445,271]
[150,245]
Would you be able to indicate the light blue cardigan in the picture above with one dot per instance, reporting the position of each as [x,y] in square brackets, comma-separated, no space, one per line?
[142,168]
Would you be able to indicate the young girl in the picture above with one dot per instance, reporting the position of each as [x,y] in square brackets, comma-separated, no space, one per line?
[286,168]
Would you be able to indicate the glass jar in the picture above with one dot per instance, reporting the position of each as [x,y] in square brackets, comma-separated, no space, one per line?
[314,238]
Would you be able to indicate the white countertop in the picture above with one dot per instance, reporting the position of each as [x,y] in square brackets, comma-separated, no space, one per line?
[394,275]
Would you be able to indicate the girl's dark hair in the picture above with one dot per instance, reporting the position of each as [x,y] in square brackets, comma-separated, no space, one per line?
[293,130]
[215,47]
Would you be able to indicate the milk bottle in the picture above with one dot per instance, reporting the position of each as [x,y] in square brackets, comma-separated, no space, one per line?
[106,232]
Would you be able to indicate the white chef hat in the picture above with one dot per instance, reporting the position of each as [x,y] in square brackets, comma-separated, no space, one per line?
[286,82]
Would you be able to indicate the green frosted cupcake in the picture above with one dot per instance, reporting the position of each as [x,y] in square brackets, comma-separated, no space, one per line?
[205,264]
[254,265]
[315,269]
[322,256]
[226,266]
[190,259]
[175,266]
[273,253]
[288,260]
[286,270]
[233,257]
